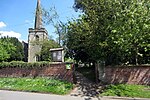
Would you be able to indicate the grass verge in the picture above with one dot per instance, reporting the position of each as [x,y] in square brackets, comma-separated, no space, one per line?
[124,90]
[43,85]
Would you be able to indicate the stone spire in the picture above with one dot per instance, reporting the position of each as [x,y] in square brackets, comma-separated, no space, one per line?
[38,16]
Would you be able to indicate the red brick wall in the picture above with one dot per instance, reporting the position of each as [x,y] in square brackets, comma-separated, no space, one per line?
[58,71]
[129,75]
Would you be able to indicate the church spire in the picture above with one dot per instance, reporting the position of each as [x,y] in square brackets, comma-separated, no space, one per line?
[38,16]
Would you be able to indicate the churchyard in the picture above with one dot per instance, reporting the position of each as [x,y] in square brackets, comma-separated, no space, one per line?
[107,47]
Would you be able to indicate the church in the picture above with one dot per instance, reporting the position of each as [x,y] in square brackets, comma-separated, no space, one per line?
[36,35]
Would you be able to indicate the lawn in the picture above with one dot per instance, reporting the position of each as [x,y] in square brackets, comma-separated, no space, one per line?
[124,90]
[43,85]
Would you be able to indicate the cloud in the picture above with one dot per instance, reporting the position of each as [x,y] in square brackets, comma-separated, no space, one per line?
[10,34]
[29,22]
[2,24]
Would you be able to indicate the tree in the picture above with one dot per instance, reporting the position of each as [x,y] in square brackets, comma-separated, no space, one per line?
[14,48]
[18,55]
[78,41]
[113,31]
[49,15]
[3,53]
[46,46]
[6,48]
[61,29]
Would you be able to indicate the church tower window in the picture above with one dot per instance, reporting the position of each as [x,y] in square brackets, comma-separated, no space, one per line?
[36,37]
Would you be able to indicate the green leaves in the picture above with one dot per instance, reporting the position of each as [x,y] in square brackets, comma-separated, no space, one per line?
[78,40]
[6,48]
[21,64]
[46,46]
[118,30]
[11,49]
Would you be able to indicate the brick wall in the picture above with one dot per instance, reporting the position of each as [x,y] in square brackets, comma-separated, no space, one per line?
[57,71]
[128,74]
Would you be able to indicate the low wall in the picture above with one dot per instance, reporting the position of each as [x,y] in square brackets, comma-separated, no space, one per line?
[127,74]
[57,71]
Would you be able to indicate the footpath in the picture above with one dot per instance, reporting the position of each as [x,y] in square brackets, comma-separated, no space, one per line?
[90,91]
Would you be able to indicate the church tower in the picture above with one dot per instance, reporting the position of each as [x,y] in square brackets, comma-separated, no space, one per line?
[36,36]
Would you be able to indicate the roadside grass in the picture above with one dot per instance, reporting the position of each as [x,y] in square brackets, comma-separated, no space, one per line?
[124,90]
[42,85]
[88,72]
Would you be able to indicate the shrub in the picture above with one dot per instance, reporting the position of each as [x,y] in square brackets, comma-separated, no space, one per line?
[21,64]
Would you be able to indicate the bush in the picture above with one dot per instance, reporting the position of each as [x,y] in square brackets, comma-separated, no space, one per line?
[21,64]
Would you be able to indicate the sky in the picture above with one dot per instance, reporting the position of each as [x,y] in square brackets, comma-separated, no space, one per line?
[17,16]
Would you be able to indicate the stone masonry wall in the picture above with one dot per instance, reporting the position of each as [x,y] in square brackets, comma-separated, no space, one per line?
[57,71]
[127,74]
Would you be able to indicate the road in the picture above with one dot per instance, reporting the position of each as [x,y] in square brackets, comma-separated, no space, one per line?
[14,95]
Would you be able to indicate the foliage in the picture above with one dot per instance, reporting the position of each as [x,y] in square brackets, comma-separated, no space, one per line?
[46,46]
[61,29]
[36,85]
[3,53]
[127,91]
[20,64]
[113,31]
[18,55]
[79,42]
[49,15]
[6,49]
[13,47]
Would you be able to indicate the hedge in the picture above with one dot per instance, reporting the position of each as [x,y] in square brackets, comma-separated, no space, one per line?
[21,64]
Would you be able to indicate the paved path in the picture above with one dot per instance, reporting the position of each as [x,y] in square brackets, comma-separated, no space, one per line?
[85,87]
[90,90]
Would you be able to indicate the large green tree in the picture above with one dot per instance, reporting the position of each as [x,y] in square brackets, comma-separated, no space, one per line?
[78,41]
[16,53]
[6,48]
[115,31]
